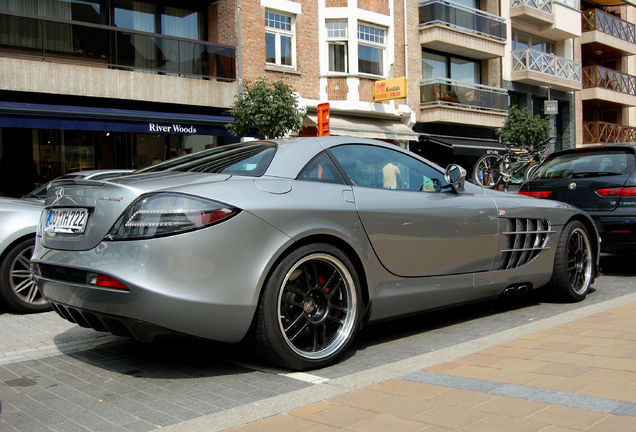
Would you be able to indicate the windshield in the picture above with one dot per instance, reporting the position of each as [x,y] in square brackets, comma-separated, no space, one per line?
[246,159]
[585,164]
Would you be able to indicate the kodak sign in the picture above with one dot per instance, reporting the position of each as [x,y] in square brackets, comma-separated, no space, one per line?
[392,88]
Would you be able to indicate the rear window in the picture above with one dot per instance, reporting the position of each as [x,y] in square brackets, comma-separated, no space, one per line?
[585,164]
[245,159]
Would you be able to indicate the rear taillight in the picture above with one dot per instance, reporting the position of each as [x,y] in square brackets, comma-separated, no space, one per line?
[617,192]
[536,194]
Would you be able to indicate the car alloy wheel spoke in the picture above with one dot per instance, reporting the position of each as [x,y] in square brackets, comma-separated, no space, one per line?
[300,330]
[295,322]
[320,332]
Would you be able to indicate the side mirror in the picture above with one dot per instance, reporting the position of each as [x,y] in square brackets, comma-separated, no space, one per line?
[455,175]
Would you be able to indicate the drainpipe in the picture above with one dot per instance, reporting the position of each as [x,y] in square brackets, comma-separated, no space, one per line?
[238,52]
[406,53]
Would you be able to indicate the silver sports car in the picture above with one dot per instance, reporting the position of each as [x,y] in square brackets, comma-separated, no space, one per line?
[294,244]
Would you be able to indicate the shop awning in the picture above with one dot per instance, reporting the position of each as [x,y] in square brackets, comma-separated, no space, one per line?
[465,146]
[366,127]
[46,116]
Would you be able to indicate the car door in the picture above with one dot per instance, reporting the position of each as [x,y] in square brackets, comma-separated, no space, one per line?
[416,223]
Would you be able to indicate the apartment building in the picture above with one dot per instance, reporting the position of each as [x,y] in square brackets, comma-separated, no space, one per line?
[608,97]
[332,51]
[110,83]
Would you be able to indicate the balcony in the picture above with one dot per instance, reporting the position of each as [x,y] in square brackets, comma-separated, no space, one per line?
[552,19]
[608,86]
[607,133]
[450,101]
[49,39]
[455,29]
[607,34]
[539,68]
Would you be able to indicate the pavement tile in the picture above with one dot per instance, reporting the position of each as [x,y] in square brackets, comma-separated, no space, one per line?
[451,417]
[399,406]
[562,370]
[410,389]
[561,347]
[338,416]
[462,398]
[520,364]
[481,359]
[567,417]
[564,384]
[553,428]
[387,422]
[500,423]
[278,423]
[614,424]
[612,375]
[511,406]
[515,352]
[610,390]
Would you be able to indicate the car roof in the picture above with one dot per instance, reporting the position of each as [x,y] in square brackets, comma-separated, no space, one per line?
[595,148]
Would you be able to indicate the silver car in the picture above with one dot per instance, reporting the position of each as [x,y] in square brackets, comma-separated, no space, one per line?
[19,218]
[296,243]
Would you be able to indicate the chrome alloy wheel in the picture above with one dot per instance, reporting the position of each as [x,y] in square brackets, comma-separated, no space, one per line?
[579,261]
[317,306]
[21,280]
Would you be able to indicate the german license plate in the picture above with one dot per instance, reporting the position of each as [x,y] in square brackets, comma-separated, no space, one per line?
[66,220]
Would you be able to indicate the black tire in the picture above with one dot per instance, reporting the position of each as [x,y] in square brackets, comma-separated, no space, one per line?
[531,171]
[17,287]
[309,309]
[573,270]
[486,172]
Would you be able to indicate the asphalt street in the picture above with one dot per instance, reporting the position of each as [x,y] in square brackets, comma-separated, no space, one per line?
[55,376]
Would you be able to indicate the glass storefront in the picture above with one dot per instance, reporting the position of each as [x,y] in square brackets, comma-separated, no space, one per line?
[29,157]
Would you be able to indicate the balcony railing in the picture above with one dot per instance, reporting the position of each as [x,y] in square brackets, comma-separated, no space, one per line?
[454,15]
[531,60]
[541,5]
[456,93]
[602,77]
[114,47]
[603,132]
[596,19]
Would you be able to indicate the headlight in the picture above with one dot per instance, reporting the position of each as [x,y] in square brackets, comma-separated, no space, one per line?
[163,214]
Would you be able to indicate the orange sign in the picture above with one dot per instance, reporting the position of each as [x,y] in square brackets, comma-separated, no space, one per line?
[392,88]
[322,123]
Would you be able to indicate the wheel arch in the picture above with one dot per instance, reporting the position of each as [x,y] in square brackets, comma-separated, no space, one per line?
[332,240]
[14,242]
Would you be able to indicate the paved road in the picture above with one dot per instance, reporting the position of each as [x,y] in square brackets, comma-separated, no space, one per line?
[58,377]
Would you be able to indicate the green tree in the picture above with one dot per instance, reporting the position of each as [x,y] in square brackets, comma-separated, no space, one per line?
[269,109]
[523,128]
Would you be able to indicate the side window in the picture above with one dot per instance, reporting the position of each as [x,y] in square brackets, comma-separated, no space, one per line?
[321,169]
[382,168]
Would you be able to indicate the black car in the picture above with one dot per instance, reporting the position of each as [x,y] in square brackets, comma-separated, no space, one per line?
[599,180]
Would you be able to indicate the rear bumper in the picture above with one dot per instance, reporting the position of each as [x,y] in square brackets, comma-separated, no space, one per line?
[618,233]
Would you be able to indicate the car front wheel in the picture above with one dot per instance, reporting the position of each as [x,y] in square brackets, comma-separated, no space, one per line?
[573,263]
[17,286]
[309,309]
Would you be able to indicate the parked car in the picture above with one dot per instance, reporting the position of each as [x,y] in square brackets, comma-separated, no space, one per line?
[18,221]
[295,243]
[599,180]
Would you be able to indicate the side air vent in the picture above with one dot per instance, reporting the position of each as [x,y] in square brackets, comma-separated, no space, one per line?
[524,240]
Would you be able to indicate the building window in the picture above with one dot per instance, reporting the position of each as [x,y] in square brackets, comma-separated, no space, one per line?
[337,46]
[370,49]
[523,41]
[436,65]
[279,39]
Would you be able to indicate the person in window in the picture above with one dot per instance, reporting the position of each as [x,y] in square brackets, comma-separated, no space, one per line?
[391,176]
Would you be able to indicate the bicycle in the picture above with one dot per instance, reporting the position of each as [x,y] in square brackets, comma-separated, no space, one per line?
[511,167]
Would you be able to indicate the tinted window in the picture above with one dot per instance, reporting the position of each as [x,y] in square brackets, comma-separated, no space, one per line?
[585,164]
[379,167]
[246,159]
[321,169]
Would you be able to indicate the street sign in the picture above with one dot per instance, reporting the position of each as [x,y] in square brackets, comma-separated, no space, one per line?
[551,107]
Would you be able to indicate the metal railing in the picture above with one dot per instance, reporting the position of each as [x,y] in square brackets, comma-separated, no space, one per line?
[599,76]
[541,5]
[444,91]
[546,63]
[596,19]
[113,47]
[604,132]
[461,17]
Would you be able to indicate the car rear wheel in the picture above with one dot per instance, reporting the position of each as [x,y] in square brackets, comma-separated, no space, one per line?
[309,309]
[531,170]
[17,286]
[573,263]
